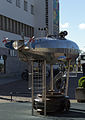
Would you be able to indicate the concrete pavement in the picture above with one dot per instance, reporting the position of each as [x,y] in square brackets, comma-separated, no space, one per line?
[21,107]
[22,111]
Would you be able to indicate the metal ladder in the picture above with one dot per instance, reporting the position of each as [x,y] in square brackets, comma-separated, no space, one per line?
[37,77]
[39,81]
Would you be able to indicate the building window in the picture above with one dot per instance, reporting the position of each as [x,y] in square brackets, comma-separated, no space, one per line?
[24,29]
[25,5]
[10,1]
[28,31]
[0,21]
[14,22]
[13,26]
[32,9]
[4,21]
[18,3]
[8,25]
[18,28]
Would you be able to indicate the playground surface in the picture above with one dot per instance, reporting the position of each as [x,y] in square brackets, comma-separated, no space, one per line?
[23,111]
[21,107]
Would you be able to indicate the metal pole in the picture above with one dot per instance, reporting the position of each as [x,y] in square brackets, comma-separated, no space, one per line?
[32,89]
[45,87]
[51,79]
[67,80]
[43,82]
[29,75]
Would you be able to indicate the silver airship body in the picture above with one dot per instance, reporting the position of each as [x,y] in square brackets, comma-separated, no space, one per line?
[50,49]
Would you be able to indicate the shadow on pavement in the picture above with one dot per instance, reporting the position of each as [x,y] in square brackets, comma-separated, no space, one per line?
[2,98]
[78,109]
[70,114]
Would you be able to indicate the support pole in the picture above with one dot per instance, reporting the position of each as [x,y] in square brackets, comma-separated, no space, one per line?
[32,89]
[67,80]
[43,81]
[29,75]
[45,87]
[51,66]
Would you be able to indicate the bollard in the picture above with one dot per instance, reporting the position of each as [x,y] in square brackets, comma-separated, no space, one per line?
[11,95]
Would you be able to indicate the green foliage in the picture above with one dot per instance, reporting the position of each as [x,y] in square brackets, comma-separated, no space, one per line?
[81,82]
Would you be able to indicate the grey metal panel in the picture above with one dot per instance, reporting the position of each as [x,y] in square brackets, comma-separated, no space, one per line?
[55,43]
[50,49]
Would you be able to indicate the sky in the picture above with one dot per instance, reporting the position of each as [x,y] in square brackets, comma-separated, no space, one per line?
[72,19]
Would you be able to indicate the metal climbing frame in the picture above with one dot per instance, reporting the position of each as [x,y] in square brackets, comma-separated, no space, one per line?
[38,84]
[39,81]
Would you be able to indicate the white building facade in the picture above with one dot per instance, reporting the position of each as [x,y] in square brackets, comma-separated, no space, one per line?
[27,17]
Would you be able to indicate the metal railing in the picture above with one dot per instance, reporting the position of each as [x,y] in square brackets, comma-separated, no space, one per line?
[12,94]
